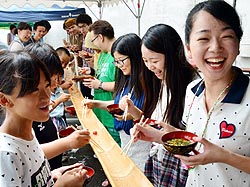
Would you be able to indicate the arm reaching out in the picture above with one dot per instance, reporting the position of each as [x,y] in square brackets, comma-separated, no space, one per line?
[213,153]
[77,139]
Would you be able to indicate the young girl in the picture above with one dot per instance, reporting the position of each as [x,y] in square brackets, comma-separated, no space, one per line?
[25,95]
[222,97]
[48,131]
[217,107]
[164,88]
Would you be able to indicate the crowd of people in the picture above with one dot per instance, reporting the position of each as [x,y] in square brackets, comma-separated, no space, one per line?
[149,77]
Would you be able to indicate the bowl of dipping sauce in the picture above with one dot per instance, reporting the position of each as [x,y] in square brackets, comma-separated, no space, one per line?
[179,142]
[114,109]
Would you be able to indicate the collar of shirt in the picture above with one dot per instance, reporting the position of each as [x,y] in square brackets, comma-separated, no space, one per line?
[237,90]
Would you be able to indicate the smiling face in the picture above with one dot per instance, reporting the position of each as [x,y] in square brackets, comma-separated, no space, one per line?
[73,30]
[154,61]
[126,67]
[39,32]
[32,106]
[213,46]
[24,35]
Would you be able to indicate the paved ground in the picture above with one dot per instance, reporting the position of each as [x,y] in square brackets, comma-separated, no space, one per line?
[86,154]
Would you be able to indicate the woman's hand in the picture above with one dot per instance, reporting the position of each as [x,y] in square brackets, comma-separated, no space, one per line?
[121,117]
[92,83]
[212,153]
[90,103]
[146,133]
[124,102]
[167,128]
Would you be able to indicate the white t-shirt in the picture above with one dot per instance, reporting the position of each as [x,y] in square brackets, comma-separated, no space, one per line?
[23,163]
[158,115]
[228,127]
[161,105]
[16,45]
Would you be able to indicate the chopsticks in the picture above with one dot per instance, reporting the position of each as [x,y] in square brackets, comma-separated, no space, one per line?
[91,140]
[128,145]
[96,144]
[84,108]
[125,114]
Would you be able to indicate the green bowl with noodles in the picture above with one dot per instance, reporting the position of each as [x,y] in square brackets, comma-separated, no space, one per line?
[179,142]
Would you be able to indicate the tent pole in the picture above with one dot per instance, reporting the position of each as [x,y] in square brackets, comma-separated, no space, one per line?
[100,4]
[139,16]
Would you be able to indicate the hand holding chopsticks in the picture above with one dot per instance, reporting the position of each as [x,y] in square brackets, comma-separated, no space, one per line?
[125,114]
[91,140]
[128,145]
[84,115]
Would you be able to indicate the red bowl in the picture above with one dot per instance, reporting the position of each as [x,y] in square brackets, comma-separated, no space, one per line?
[114,109]
[179,137]
[66,132]
[71,110]
[90,171]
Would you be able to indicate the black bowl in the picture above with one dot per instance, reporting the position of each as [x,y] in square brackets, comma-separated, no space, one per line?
[179,142]
[114,109]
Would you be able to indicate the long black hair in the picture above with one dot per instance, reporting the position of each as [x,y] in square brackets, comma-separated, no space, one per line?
[129,45]
[178,73]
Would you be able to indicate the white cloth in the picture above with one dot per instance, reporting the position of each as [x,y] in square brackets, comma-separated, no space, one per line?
[23,163]
[158,115]
[138,152]
[228,127]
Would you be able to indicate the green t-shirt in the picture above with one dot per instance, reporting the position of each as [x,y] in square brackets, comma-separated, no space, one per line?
[106,73]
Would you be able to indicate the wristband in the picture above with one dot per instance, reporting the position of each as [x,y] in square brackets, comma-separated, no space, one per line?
[100,86]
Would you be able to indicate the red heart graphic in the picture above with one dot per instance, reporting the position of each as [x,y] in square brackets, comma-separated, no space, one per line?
[226,130]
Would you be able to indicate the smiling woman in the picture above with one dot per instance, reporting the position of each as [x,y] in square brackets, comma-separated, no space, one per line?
[23,35]
[164,89]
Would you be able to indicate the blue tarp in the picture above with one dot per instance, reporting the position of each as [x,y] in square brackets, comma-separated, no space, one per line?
[31,14]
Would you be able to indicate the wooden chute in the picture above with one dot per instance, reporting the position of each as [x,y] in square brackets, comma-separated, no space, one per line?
[119,168]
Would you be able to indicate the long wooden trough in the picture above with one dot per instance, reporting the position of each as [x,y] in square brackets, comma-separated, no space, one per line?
[119,168]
